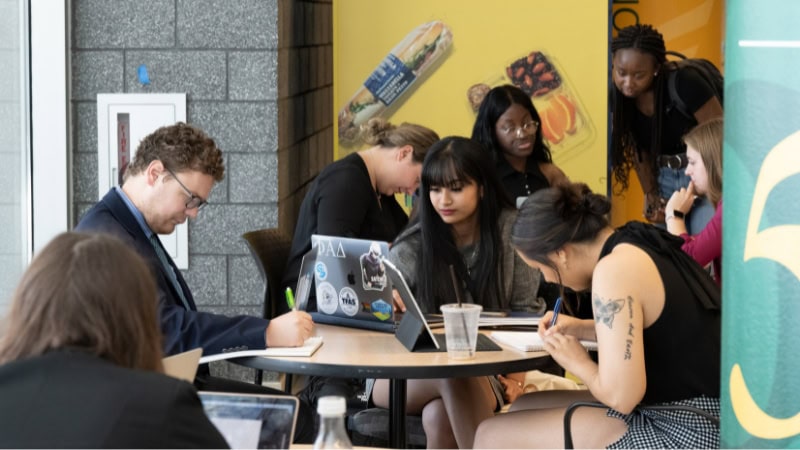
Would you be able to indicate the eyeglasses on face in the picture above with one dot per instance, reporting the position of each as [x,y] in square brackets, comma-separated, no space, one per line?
[526,129]
[195,201]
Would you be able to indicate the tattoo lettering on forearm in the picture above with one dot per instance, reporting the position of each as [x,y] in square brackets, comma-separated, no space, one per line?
[630,307]
[605,310]
[628,345]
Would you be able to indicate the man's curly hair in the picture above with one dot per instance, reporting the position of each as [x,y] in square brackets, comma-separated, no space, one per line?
[180,147]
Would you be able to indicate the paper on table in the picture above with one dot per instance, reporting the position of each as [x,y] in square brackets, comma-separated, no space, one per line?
[307,349]
[528,341]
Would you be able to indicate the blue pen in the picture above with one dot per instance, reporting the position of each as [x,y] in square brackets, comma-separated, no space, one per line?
[556,308]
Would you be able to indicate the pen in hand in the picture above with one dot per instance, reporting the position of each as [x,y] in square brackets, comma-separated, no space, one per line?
[290,299]
[556,309]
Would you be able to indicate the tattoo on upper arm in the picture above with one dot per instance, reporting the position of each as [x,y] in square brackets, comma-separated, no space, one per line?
[605,310]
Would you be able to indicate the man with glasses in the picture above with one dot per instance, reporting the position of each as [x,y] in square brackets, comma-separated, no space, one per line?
[168,181]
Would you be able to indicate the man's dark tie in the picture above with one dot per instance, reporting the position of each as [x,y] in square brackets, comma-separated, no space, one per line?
[162,256]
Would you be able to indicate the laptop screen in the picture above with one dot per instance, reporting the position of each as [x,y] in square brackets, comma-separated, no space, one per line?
[252,420]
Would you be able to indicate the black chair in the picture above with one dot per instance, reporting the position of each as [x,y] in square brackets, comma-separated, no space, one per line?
[270,249]
[573,407]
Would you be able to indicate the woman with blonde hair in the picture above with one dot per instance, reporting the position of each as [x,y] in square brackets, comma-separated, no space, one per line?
[355,197]
[81,356]
[704,152]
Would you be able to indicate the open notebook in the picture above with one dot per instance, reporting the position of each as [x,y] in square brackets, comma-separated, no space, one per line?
[307,349]
[528,341]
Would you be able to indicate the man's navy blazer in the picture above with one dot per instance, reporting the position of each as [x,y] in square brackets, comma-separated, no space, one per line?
[183,329]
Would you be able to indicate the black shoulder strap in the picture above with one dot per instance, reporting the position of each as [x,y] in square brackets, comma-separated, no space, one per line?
[675,100]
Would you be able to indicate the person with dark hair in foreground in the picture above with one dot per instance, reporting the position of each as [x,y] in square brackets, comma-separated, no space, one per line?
[80,356]
[644,289]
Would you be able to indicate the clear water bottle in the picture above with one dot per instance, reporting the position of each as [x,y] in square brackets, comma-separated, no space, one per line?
[332,433]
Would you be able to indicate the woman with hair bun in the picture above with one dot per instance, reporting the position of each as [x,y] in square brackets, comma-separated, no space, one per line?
[354,196]
[644,288]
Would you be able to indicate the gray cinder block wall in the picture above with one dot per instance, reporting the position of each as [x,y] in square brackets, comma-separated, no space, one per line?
[224,55]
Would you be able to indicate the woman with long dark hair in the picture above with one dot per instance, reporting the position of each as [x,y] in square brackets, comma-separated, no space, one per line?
[644,289]
[463,220]
[507,125]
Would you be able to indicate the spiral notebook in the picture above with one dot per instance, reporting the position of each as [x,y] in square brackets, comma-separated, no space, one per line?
[528,341]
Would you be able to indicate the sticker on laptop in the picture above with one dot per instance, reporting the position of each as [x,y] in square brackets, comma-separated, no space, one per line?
[327,300]
[381,309]
[321,270]
[348,301]
[373,273]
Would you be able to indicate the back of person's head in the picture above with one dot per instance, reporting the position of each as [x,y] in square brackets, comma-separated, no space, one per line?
[180,147]
[495,104]
[706,138]
[89,292]
[380,132]
[553,217]
[452,162]
[641,37]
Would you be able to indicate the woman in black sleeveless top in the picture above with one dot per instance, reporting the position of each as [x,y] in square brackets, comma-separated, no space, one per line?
[656,323]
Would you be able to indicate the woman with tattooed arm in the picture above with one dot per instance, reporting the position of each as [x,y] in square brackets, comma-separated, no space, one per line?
[643,289]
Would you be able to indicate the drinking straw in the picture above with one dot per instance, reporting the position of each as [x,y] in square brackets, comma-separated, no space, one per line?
[460,305]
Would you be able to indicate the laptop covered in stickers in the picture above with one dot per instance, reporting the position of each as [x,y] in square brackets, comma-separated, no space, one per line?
[349,283]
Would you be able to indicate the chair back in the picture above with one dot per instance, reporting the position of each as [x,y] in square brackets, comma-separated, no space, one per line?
[270,249]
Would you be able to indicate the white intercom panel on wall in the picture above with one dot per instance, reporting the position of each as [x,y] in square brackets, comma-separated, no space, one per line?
[122,121]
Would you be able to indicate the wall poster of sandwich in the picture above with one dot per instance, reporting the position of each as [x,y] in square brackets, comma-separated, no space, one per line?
[420,61]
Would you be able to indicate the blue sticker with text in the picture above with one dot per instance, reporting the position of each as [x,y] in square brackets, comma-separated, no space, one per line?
[389,80]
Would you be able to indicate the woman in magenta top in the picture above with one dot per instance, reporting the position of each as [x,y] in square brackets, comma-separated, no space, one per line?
[704,152]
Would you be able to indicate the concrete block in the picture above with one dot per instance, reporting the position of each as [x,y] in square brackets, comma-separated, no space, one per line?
[253,75]
[84,175]
[246,283]
[226,24]
[253,177]
[85,130]
[201,75]
[238,127]
[206,277]
[95,72]
[123,24]
[218,228]
[79,209]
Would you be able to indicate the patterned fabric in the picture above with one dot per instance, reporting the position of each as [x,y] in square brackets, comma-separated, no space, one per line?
[162,256]
[648,428]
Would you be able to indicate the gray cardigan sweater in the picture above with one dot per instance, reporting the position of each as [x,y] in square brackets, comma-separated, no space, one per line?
[520,288]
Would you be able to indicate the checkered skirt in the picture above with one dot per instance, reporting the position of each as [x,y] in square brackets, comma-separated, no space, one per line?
[649,428]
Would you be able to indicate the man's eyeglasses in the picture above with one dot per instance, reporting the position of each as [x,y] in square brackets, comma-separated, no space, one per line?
[194,200]
[526,129]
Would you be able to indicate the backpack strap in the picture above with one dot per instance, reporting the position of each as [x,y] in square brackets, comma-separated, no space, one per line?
[675,100]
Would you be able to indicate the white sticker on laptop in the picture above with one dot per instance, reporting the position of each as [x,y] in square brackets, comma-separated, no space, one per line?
[327,300]
[348,301]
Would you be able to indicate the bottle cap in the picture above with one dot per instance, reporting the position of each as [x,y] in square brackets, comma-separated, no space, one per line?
[331,405]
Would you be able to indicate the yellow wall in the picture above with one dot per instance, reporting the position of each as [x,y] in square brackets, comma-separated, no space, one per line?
[487,36]
[692,27]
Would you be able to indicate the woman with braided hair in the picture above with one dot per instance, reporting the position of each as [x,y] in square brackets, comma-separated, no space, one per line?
[647,127]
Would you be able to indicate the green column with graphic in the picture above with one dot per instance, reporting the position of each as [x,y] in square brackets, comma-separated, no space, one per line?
[761,243]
